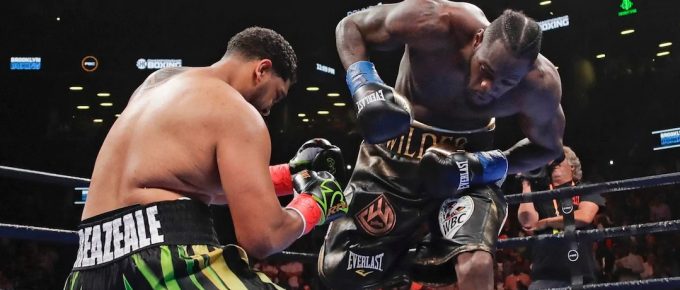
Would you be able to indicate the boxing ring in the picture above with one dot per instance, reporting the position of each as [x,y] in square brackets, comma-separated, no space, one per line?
[570,235]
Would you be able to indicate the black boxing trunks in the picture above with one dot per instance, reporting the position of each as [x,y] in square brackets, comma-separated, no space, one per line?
[163,245]
[388,214]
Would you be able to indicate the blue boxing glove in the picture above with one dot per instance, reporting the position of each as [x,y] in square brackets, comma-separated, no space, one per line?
[447,172]
[382,114]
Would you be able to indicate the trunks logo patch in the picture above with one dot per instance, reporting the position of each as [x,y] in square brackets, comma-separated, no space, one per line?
[363,264]
[453,214]
[378,217]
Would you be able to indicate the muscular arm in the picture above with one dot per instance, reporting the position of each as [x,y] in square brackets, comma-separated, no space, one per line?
[243,150]
[542,120]
[387,27]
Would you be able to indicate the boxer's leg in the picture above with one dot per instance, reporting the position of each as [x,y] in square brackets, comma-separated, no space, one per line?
[466,227]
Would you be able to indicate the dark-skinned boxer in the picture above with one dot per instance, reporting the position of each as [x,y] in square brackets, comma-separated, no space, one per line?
[428,173]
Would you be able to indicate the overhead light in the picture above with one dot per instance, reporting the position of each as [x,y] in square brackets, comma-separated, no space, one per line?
[627,31]
[333,95]
[75,88]
[302,114]
[312,89]
[665,44]
[663,53]
[58,18]
[117,115]
[106,104]
[349,166]
[103,94]
[611,162]
[339,104]
[543,3]
[305,120]
[557,67]
[323,112]
[98,120]
[82,107]
[601,55]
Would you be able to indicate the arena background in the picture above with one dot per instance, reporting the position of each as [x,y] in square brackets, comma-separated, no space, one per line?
[612,103]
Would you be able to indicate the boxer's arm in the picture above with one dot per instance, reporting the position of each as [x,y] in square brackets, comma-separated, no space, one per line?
[542,120]
[388,27]
[243,151]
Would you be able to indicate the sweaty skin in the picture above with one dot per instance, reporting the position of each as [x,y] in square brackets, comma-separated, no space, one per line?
[447,86]
[188,132]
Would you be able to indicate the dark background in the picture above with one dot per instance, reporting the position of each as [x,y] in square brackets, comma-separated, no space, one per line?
[611,104]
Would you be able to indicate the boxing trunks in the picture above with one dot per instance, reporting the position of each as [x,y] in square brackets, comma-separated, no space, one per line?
[393,233]
[163,245]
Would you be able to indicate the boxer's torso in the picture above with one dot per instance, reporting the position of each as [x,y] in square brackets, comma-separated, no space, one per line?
[158,149]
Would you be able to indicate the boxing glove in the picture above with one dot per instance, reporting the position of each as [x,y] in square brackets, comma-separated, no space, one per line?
[539,178]
[318,199]
[382,114]
[447,172]
[317,155]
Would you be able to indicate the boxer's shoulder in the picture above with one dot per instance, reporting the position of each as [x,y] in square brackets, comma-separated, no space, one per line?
[544,77]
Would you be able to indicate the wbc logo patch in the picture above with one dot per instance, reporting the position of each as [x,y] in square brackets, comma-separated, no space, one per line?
[453,214]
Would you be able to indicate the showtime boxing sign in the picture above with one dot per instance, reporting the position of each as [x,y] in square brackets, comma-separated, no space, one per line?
[144,63]
[553,23]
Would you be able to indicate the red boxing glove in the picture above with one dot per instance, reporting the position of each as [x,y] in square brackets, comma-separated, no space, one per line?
[308,209]
[283,182]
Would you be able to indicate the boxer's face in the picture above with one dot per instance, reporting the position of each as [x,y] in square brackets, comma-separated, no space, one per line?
[271,93]
[493,72]
[270,88]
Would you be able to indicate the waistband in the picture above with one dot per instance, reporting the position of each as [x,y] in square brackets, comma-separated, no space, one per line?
[117,234]
[420,136]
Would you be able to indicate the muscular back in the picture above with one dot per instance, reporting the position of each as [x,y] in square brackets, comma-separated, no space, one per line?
[160,148]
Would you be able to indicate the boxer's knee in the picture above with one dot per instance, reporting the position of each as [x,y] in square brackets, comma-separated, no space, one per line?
[476,263]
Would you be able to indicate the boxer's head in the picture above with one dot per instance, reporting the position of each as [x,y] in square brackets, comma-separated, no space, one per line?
[503,54]
[272,66]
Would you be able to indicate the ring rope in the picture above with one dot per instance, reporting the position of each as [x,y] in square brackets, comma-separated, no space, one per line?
[656,284]
[604,187]
[596,234]
[71,237]
[41,176]
[38,233]
[67,236]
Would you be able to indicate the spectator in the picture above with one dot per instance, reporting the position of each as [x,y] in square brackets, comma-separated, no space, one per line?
[628,266]
[648,266]
[293,274]
[517,280]
[658,210]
